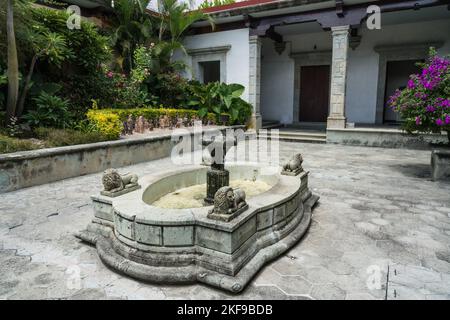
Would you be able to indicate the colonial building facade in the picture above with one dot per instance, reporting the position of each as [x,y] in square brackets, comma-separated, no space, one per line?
[330,63]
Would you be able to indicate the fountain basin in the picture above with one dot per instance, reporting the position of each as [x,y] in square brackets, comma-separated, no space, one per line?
[167,245]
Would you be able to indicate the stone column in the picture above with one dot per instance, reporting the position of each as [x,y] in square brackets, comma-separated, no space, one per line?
[337,119]
[255,80]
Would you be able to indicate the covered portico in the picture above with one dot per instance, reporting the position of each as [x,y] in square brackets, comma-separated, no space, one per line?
[318,63]
[327,67]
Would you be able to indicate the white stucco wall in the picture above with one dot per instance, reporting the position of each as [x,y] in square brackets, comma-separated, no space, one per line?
[237,58]
[277,83]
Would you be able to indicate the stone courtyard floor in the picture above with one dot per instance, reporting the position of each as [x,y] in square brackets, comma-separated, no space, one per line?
[381,230]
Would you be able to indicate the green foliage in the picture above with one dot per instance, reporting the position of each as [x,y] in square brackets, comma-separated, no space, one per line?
[13,128]
[68,137]
[51,46]
[214,3]
[131,26]
[128,91]
[157,75]
[80,73]
[221,98]
[176,17]
[107,123]
[9,144]
[52,111]
[88,46]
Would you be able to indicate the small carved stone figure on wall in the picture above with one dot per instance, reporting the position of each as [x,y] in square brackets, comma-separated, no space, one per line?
[294,166]
[228,204]
[146,125]
[125,128]
[140,125]
[179,123]
[162,123]
[130,124]
[115,184]
[194,120]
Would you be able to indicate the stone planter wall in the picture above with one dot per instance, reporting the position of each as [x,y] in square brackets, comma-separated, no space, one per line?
[30,168]
[383,137]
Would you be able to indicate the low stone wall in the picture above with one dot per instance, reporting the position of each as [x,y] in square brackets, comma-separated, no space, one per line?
[386,138]
[30,168]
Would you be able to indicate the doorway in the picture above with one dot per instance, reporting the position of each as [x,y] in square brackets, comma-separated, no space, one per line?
[314,93]
[397,76]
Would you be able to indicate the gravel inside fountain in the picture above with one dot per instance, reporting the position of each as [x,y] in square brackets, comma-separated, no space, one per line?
[193,196]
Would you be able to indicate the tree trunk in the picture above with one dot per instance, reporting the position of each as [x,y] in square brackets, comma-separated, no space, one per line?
[26,87]
[13,65]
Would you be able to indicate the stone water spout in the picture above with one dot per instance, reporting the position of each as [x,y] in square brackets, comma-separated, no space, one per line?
[217,176]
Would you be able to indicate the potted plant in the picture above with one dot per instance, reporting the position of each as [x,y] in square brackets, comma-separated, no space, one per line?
[425,107]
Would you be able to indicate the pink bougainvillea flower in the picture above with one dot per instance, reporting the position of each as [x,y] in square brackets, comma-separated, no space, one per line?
[430,108]
[110,74]
[418,120]
[411,84]
[439,122]
[447,119]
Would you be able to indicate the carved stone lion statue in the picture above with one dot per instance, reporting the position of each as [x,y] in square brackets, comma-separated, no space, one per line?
[114,182]
[228,201]
[294,164]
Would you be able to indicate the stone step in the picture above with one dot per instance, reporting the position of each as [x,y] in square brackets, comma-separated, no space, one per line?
[271,124]
[301,139]
[306,134]
[298,136]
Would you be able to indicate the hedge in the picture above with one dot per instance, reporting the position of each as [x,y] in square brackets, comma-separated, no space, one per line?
[109,122]
[154,113]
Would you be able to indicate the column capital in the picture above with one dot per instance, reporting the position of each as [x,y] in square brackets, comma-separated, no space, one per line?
[254,39]
[337,30]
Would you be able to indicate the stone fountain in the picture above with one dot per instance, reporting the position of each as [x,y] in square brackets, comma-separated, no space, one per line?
[223,241]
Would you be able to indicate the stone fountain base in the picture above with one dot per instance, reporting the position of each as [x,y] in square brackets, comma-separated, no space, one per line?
[184,245]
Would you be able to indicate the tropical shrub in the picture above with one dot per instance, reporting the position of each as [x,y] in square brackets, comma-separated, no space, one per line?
[156,74]
[127,91]
[130,27]
[221,98]
[425,103]
[80,73]
[107,123]
[51,111]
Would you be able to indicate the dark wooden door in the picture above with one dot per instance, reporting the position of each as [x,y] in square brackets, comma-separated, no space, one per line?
[314,93]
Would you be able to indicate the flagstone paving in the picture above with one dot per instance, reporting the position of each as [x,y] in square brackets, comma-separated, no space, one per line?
[381,230]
